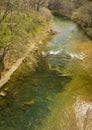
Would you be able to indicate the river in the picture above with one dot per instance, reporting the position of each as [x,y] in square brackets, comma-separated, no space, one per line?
[58,96]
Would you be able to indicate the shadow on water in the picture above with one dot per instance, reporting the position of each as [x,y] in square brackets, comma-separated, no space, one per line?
[28,101]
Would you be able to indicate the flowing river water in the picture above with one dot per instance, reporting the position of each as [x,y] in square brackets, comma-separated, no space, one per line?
[58,96]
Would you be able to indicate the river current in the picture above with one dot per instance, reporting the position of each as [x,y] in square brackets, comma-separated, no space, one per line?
[58,96]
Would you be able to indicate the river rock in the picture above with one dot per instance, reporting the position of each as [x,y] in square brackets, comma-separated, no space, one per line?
[3,93]
[53,32]
[28,103]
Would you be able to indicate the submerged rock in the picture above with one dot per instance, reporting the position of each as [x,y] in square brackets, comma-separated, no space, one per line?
[28,103]
[3,93]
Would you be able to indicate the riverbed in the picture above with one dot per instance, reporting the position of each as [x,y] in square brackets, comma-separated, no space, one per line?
[58,96]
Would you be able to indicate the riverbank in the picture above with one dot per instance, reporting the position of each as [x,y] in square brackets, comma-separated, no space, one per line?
[18,53]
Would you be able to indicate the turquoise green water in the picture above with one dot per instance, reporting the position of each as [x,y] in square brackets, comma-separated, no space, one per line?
[58,95]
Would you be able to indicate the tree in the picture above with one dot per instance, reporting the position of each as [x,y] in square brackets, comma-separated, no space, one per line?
[37,4]
[41,3]
[2,59]
[55,4]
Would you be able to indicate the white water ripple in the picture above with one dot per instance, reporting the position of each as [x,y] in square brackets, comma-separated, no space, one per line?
[78,56]
[72,55]
[52,52]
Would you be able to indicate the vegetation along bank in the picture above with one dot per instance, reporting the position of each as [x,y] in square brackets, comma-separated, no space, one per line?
[23,25]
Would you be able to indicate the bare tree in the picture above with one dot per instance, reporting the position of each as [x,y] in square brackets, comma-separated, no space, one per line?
[5,10]
[37,4]
[2,59]
[41,3]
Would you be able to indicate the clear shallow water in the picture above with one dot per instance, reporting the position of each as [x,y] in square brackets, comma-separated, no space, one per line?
[59,94]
